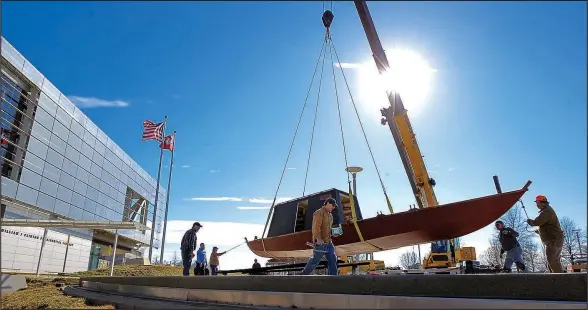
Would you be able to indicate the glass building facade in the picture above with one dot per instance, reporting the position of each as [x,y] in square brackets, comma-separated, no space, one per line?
[56,163]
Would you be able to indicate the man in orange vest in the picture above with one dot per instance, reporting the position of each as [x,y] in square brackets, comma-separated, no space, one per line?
[550,233]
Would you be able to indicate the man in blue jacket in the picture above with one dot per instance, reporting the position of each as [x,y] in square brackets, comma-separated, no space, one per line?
[200,261]
[510,245]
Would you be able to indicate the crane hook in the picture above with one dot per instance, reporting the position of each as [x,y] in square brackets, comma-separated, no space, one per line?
[328,18]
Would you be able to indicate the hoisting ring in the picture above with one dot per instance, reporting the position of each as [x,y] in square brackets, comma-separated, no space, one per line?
[328,18]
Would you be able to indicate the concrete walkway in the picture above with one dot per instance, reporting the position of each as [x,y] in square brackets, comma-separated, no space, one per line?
[536,287]
[126,301]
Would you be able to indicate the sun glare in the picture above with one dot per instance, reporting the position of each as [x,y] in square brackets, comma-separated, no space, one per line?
[409,74]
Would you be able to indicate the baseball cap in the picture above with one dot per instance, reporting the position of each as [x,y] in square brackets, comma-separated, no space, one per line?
[331,201]
[197,224]
[540,198]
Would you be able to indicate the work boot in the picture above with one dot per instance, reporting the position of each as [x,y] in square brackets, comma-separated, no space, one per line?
[506,270]
[520,267]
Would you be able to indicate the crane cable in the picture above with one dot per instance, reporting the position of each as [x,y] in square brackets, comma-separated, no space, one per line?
[363,130]
[318,97]
[351,194]
[327,42]
[323,45]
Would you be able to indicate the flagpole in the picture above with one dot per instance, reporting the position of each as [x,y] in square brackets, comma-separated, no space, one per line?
[171,166]
[153,223]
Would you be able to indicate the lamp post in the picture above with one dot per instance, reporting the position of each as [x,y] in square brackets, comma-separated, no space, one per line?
[577,231]
[354,171]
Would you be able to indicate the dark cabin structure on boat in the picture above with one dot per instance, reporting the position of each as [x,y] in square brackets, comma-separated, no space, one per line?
[296,215]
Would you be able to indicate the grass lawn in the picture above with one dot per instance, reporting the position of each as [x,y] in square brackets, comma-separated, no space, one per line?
[42,292]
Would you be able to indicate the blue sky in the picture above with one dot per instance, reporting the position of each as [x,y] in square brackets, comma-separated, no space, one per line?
[508,97]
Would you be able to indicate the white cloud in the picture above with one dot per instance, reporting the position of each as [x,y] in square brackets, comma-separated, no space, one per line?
[91,102]
[213,171]
[253,208]
[214,199]
[185,166]
[262,200]
[450,169]
[215,234]
[291,168]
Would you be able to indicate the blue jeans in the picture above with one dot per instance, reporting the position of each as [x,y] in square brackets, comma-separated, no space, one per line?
[514,255]
[325,249]
[187,262]
[213,270]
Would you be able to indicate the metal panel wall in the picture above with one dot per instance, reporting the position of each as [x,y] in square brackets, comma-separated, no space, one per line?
[21,247]
[283,219]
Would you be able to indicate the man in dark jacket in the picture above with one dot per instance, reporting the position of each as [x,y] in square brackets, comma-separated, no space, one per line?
[188,245]
[510,245]
[256,265]
[550,233]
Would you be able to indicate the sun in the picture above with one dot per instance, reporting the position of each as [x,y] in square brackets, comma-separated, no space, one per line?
[409,74]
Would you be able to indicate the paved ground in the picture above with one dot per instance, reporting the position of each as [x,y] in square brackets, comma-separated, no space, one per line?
[548,287]
[140,302]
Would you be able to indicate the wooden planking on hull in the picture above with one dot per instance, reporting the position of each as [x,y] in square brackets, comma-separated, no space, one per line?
[400,229]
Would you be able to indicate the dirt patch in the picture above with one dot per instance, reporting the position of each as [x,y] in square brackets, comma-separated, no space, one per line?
[46,292]
[133,271]
[43,293]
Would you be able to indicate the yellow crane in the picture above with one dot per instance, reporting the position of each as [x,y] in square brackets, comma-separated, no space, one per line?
[444,253]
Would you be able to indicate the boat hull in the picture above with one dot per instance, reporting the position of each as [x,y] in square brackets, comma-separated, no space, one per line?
[398,230]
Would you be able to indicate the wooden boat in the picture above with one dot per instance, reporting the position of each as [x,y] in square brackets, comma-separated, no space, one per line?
[290,227]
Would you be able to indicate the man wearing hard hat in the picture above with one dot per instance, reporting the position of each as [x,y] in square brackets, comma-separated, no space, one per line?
[550,233]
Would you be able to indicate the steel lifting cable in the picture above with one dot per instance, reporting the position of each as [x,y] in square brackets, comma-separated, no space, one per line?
[537,231]
[340,118]
[362,129]
[351,193]
[318,97]
[292,145]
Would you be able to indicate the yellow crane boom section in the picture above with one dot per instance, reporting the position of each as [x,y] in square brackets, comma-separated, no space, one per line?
[425,189]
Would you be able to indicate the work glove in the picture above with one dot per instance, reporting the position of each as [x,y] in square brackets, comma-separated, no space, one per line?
[530,222]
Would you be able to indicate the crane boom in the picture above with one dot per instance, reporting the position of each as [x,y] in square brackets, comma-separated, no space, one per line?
[444,253]
[397,119]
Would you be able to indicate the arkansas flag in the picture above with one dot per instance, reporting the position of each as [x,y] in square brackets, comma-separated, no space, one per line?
[168,143]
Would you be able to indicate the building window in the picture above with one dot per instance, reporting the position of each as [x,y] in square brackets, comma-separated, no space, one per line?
[14,106]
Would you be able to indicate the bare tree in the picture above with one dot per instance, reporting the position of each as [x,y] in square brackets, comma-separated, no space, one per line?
[409,260]
[570,243]
[583,243]
[544,267]
[155,261]
[491,256]
[175,260]
[534,256]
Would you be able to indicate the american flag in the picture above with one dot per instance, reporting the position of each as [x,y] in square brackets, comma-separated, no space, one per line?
[152,131]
